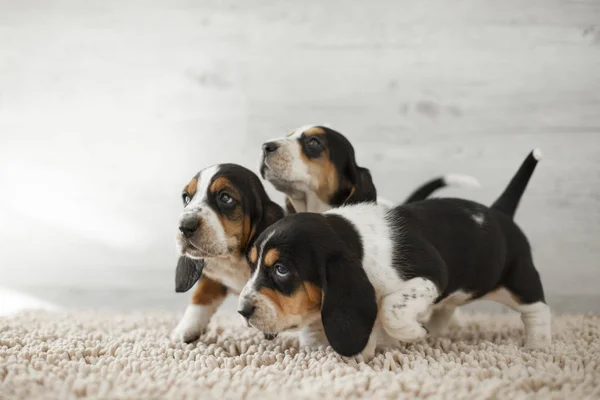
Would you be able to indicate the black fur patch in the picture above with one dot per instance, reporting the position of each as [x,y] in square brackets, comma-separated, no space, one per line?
[187,273]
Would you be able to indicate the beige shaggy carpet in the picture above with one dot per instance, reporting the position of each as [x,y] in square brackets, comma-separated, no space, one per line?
[103,355]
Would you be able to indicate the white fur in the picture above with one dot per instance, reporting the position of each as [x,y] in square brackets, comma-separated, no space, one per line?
[315,204]
[204,179]
[460,180]
[537,153]
[287,172]
[372,225]
[230,272]
[194,321]
[401,312]
[478,218]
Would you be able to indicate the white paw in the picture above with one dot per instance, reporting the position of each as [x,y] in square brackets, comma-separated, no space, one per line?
[403,327]
[409,332]
[192,325]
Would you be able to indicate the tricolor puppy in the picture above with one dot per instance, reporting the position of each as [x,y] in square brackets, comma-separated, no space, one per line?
[363,275]
[225,208]
[316,168]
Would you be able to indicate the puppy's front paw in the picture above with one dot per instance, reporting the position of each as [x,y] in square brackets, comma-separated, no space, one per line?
[410,332]
[192,325]
[187,333]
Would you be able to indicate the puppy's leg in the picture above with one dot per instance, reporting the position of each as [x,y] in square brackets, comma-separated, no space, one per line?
[207,297]
[440,319]
[368,353]
[401,312]
[523,292]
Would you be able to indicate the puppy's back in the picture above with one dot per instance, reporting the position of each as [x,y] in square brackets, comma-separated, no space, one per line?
[468,236]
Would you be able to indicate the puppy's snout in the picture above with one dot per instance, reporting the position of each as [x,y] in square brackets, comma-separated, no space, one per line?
[246,310]
[189,225]
[269,147]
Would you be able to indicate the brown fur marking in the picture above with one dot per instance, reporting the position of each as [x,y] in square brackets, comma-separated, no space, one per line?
[271,257]
[208,291]
[192,187]
[315,130]
[305,299]
[237,225]
[324,171]
[253,254]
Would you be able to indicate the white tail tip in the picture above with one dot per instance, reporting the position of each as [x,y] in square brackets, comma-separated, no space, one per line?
[461,180]
[537,153]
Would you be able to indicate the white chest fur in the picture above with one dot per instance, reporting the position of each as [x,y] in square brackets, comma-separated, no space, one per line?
[373,227]
[232,273]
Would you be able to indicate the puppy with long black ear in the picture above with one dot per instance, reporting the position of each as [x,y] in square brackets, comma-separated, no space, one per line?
[225,209]
[316,168]
[362,275]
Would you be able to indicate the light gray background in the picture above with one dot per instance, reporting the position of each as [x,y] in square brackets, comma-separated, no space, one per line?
[108,108]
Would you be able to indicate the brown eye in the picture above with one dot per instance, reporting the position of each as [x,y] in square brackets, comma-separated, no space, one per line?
[314,143]
[186,199]
[282,270]
[226,199]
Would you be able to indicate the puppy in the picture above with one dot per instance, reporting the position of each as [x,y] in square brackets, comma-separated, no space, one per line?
[225,209]
[362,275]
[316,168]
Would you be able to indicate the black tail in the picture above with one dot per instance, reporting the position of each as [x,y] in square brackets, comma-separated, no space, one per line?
[431,186]
[510,198]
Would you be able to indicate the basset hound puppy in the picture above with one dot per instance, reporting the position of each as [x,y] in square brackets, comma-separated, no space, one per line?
[362,276]
[225,209]
[316,168]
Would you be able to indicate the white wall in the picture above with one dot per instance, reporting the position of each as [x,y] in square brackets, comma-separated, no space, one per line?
[107,108]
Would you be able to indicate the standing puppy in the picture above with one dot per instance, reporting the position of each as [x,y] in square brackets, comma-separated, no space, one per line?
[316,168]
[363,275]
[225,209]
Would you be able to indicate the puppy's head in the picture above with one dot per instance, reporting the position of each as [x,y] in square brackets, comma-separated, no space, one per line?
[318,160]
[225,207]
[303,271]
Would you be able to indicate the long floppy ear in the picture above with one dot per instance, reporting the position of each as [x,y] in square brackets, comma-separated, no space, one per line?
[364,188]
[187,273]
[349,306]
[271,213]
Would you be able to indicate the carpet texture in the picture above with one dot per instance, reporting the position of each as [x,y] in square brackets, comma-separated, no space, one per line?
[103,355]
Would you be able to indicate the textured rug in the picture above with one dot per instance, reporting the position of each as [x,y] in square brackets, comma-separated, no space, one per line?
[103,355]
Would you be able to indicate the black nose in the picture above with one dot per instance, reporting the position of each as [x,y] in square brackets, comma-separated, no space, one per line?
[269,147]
[188,226]
[247,310]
